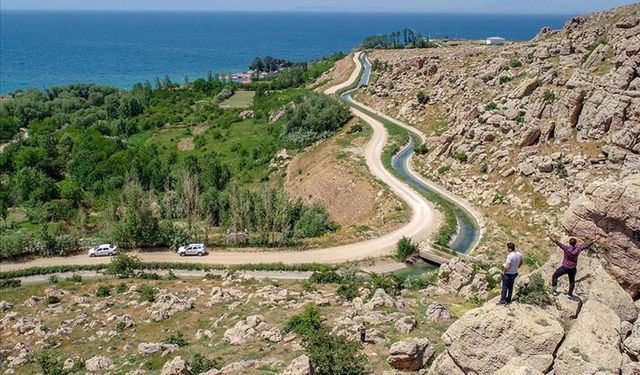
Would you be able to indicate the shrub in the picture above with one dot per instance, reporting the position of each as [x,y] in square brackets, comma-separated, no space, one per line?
[405,248]
[211,276]
[535,291]
[308,321]
[347,290]
[421,281]
[51,300]
[491,106]
[147,294]
[75,278]
[515,63]
[461,157]
[421,149]
[498,198]
[121,288]
[9,283]
[422,97]
[170,276]
[560,169]
[444,169]
[390,284]
[123,265]
[505,79]
[520,117]
[103,291]
[313,223]
[549,96]
[200,364]
[330,354]
[48,364]
[52,279]
[176,339]
[149,276]
[325,277]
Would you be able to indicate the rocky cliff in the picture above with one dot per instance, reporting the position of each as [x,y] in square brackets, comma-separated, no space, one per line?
[522,129]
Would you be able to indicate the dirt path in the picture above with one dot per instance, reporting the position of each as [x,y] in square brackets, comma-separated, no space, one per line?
[424,221]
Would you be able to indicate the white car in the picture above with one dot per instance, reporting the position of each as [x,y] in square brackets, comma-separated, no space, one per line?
[192,249]
[103,250]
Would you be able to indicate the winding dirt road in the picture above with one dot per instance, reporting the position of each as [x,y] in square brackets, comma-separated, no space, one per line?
[424,220]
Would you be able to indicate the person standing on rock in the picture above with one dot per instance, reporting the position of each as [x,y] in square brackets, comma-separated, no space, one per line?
[511,266]
[569,261]
[363,333]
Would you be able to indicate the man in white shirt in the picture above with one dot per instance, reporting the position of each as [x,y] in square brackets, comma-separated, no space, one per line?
[511,266]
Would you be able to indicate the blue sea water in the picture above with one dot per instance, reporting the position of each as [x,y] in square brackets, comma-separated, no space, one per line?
[43,49]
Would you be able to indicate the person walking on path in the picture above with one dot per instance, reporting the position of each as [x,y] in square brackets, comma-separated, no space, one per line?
[363,333]
[569,261]
[511,266]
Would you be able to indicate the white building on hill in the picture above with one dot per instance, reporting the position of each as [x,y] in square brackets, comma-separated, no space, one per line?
[494,40]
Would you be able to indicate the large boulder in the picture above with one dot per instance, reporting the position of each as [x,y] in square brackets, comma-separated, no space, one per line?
[525,88]
[592,344]
[486,339]
[98,364]
[613,208]
[410,355]
[299,366]
[176,366]
[631,344]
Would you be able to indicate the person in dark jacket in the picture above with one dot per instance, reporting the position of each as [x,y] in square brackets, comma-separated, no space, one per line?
[569,265]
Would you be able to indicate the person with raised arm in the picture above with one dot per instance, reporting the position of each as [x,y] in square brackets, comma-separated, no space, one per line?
[569,265]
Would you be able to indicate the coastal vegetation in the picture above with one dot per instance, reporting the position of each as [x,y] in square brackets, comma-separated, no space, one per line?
[158,165]
[406,38]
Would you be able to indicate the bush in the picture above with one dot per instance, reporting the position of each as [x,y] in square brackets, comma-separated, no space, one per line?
[170,276]
[515,63]
[103,291]
[348,290]
[149,276]
[51,300]
[49,365]
[9,283]
[405,248]
[313,223]
[147,293]
[491,106]
[390,284]
[422,97]
[421,149]
[549,96]
[461,157]
[176,339]
[421,281]
[325,277]
[75,278]
[560,169]
[123,265]
[308,321]
[532,261]
[121,288]
[200,364]
[444,169]
[330,354]
[211,276]
[505,79]
[52,279]
[535,292]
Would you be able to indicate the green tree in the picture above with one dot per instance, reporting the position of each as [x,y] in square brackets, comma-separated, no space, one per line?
[33,186]
[130,106]
[313,223]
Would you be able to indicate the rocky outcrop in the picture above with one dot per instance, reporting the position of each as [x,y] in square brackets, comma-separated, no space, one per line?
[410,355]
[168,304]
[299,366]
[592,344]
[436,312]
[487,339]
[151,348]
[176,366]
[253,325]
[612,208]
[98,364]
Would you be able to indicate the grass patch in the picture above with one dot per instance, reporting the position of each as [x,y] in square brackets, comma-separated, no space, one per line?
[240,99]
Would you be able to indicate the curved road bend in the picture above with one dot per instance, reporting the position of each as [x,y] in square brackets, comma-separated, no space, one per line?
[470,221]
[424,220]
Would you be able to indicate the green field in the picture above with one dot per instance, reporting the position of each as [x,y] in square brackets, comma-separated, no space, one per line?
[240,99]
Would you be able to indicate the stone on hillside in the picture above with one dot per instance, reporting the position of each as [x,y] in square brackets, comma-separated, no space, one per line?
[444,365]
[436,312]
[168,304]
[4,305]
[631,344]
[410,355]
[406,324]
[525,88]
[252,325]
[526,168]
[98,364]
[486,339]
[34,301]
[632,368]
[151,348]
[380,299]
[612,207]
[176,366]
[531,137]
[299,366]
[518,370]
[592,344]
